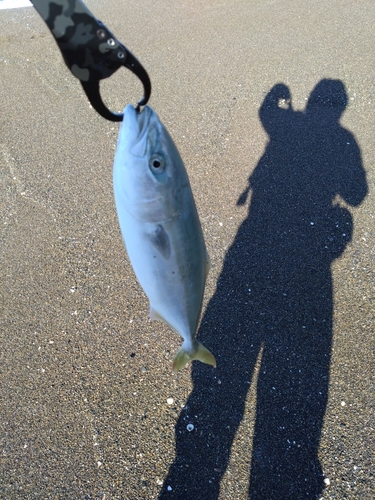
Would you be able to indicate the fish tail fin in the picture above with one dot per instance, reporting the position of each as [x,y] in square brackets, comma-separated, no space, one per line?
[199,352]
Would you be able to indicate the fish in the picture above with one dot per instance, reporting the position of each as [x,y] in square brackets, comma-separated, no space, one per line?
[160,227]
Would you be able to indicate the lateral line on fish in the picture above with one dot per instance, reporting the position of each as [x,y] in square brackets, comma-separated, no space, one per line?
[154,222]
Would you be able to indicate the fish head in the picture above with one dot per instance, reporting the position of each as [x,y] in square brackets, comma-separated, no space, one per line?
[149,174]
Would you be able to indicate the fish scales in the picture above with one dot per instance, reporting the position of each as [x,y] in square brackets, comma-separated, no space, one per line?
[160,227]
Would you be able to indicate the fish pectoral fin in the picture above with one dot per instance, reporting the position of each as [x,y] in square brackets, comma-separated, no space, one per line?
[154,315]
[199,352]
[160,241]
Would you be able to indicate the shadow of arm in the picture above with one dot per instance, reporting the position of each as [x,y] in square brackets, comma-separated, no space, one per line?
[352,183]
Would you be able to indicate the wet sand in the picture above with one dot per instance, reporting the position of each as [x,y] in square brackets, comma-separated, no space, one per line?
[89,403]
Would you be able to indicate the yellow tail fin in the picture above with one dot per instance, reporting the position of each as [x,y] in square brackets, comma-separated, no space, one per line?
[199,352]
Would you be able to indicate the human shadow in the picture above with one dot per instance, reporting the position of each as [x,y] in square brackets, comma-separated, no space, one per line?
[273,302]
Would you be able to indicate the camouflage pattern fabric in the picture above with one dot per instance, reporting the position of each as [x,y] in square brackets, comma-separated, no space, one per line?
[89,49]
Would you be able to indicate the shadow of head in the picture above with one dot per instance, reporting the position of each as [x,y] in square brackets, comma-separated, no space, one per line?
[328,98]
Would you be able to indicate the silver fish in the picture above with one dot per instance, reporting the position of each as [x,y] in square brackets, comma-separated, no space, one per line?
[160,227]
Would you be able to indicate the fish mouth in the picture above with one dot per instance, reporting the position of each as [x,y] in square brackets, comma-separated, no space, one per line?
[138,126]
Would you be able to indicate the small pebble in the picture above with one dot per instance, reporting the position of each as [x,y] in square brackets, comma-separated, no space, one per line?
[170,401]
[190,427]
[327,482]
[343,403]
[169,488]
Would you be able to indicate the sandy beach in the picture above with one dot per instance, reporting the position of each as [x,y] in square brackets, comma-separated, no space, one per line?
[271,105]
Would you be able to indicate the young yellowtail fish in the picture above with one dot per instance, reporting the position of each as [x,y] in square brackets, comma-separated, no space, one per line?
[161,228]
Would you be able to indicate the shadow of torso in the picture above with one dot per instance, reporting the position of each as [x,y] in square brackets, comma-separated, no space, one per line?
[274,301]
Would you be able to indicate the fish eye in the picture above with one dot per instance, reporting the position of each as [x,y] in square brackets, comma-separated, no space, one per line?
[157,164]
